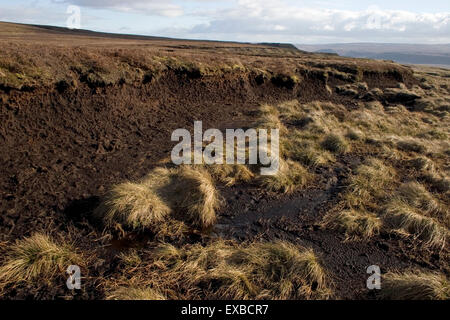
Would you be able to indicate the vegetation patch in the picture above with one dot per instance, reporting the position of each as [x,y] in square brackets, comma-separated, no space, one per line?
[37,259]
[187,193]
[355,224]
[291,176]
[415,285]
[226,270]
[409,220]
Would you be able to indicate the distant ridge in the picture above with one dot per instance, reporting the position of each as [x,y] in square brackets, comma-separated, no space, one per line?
[279,45]
[98,34]
[85,32]
[430,54]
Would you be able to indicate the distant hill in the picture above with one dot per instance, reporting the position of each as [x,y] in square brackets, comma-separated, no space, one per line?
[279,45]
[438,55]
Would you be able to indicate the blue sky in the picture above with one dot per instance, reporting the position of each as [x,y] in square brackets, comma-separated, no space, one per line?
[399,21]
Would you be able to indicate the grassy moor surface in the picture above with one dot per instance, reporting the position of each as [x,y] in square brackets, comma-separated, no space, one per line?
[86,177]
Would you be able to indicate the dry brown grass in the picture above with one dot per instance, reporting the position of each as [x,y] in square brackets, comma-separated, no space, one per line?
[135,205]
[402,216]
[231,174]
[422,164]
[312,156]
[305,148]
[38,259]
[355,224]
[354,134]
[130,258]
[438,180]
[197,195]
[225,270]
[187,193]
[270,119]
[372,181]
[415,285]
[335,143]
[411,145]
[134,293]
[291,176]
[415,195]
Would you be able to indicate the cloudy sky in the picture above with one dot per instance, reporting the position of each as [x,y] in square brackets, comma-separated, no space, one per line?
[394,21]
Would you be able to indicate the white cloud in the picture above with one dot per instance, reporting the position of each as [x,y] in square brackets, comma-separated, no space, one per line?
[253,19]
[279,28]
[31,15]
[165,8]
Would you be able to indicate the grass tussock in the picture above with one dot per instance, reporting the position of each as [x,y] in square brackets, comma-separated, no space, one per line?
[429,172]
[355,224]
[335,143]
[270,119]
[411,145]
[313,157]
[37,258]
[438,181]
[130,258]
[354,134]
[291,176]
[415,286]
[422,164]
[223,270]
[408,219]
[198,195]
[372,181]
[134,293]
[300,147]
[415,195]
[187,193]
[231,174]
[135,205]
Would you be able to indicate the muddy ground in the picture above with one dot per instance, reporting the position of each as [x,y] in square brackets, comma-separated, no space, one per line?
[62,149]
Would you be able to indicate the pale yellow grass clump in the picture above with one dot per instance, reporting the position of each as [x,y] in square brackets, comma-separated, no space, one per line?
[417,196]
[438,180]
[291,176]
[410,220]
[311,156]
[290,110]
[430,173]
[354,134]
[37,258]
[422,164]
[372,180]
[130,258]
[134,293]
[270,119]
[320,117]
[318,131]
[355,224]
[186,193]
[302,146]
[231,174]
[198,195]
[132,204]
[412,145]
[415,285]
[224,270]
[335,143]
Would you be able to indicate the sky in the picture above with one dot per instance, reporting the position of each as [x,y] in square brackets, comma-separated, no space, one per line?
[300,22]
